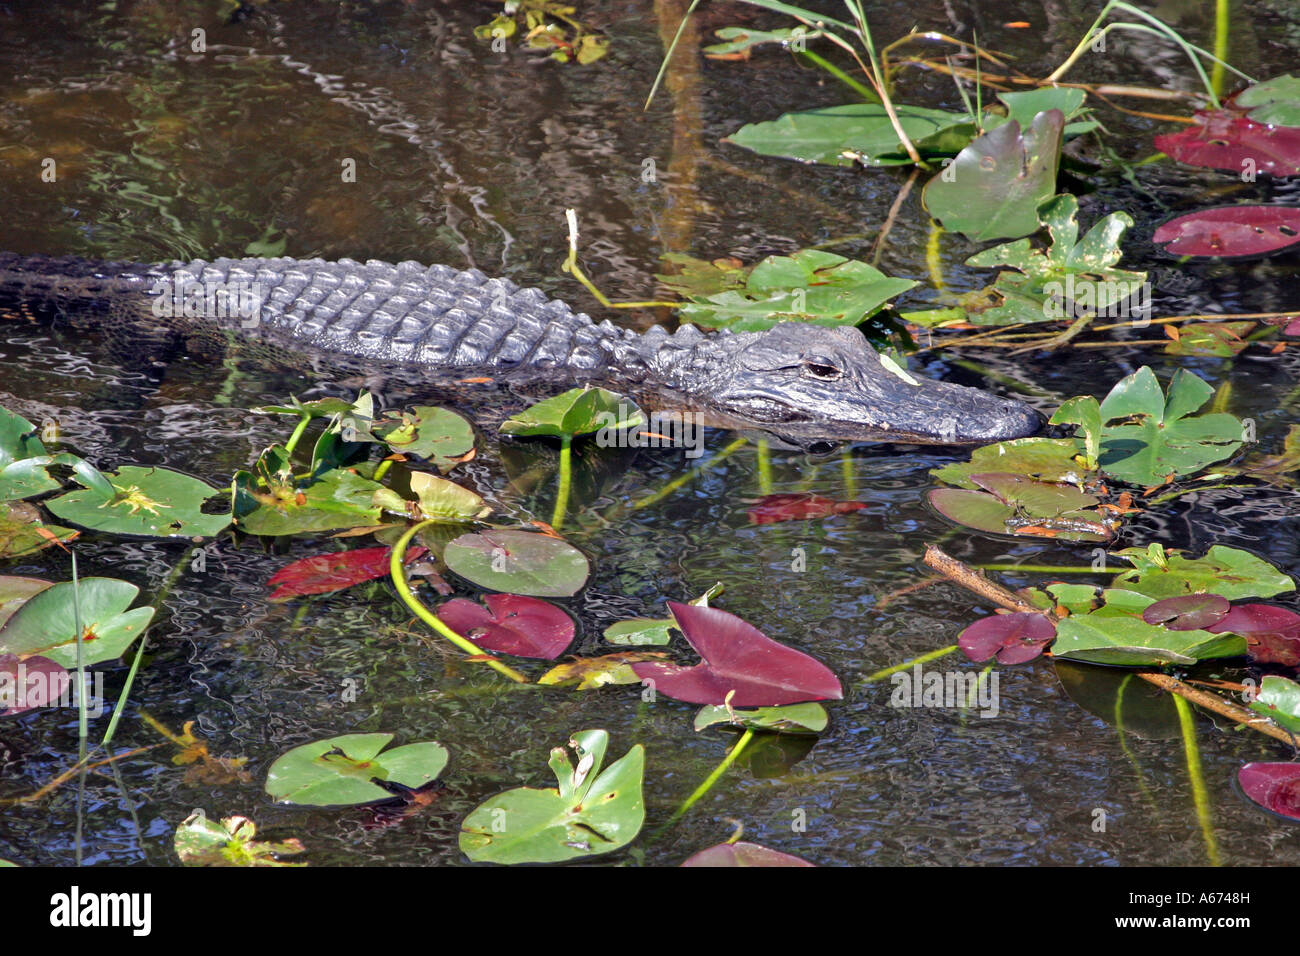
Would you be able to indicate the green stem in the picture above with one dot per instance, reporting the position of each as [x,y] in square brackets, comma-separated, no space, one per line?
[713,778]
[764,467]
[908,665]
[566,480]
[382,469]
[156,604]
[395,569]
[677,482]
[864,91]
[663,67]
[1200,795]
[1222,10]
[83,724]
[292,443]
[1040,568]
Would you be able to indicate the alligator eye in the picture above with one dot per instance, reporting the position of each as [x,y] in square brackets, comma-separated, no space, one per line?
[823,370]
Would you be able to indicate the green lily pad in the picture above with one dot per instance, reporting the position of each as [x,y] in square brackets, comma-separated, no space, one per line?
[46,625]
[700,278]
[1015,504]
[1275,101]
[438,435]
[1085,412]
[575,412]
[341,771]
[15,591]
[1068,278]
[845,135]
[148,501]
[810,286]
[640,630]
[1165,439]
[1115,634]
[1279,699]
[24,531]
[806,718]
[440,498]
[1228,572]
[1023,107]
[201,841]
[518,562]
[590,812]
[996,184]
[1048,459]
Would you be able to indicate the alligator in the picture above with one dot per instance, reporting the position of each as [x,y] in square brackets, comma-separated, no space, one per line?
[802,385]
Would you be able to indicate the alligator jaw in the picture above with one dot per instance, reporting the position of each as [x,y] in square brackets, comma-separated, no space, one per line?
[808,385]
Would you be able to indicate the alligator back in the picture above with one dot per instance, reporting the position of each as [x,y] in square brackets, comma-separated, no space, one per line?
[404,314]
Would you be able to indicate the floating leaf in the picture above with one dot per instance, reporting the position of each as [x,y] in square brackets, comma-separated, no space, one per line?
[790,719]
[589,814]
[323,573]
[439,435]
[799,507]
[1223,339]
[1272,633]
[45,625]
[845,135]
[640,630]
[1023,107]
[1019,505]
[1115,634]
[700,278]
[592,672]
[14,592]
[1227,231]
[1048,459]
[1279,699]
[1015,638]
[575,412]
[1164,439]
[738,657]
[336,499]
[743,854]
[996,184]
[440,498]
[1274,786]
[342,771]
[810,286]
[22,530]
[1276,101]
[1225,139]
[31,683]
[520,562]
[511,624]
[1228,572]
[1187,612]
[1085,412]
[201,841]
[147,501]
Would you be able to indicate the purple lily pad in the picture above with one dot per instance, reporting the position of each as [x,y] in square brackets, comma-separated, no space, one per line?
[30,683]
[1187,612]
[1014,638]
[1272,633]
[743,854]
[511,624]
[1274,786]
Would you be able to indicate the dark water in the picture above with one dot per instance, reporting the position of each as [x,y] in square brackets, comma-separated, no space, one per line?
[469,157]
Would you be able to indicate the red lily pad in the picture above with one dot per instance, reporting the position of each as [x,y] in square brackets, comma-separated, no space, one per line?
[799,507]
[1272,633]
[1188,612]
[511,624]
[1225,139]
[743,854]
[1274,786]
[1014,638]
[30,683]
[1228,231]
[738,657]
[322,573]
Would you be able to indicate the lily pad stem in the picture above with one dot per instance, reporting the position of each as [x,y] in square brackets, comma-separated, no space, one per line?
[566,480]
[395,569]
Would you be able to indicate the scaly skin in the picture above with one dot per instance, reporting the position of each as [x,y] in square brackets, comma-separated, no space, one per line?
[801,384]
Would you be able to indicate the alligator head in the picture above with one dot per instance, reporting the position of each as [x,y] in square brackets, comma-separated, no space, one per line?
[806,385]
